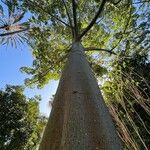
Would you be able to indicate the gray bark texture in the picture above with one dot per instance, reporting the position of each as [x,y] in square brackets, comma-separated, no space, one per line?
[79,119]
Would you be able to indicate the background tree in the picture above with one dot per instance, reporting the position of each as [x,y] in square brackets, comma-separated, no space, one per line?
[126,86]
[127,94]
[21,125]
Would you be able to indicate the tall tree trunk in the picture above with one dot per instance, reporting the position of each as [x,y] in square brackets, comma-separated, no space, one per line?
[79,119]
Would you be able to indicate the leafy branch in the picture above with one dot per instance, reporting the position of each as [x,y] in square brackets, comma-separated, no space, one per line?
[43,74]
[94,19]
[67,12]
[124,31]
[53,16]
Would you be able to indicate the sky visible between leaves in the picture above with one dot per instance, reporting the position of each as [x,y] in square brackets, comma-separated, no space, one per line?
[11,59]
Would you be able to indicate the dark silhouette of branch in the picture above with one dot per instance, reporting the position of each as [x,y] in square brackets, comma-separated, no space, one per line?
[99,49]
[94,19]
[4,26]
[141,2]
[116,3]
[44,10]
[13,32]
[69,18]
[67,11]
[75,18]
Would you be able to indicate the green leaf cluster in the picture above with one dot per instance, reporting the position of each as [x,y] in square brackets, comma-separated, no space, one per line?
[52,33]
[20,122]
[127,93]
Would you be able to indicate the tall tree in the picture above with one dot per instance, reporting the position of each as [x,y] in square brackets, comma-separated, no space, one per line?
[79,118]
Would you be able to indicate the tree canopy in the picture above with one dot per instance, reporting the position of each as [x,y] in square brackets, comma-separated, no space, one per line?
[102,25]
[21,125]
[110,27]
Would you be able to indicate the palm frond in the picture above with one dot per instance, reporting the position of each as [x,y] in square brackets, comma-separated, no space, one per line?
[1,10]
[10,5]
[18,17]
[12,32]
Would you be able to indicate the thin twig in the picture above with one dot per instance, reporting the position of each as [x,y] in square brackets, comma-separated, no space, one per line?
[4,26]
[98,21]
[116,3]
[35,4]
[69,18]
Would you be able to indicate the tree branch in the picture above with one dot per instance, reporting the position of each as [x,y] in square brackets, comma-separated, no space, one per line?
[35,4]
[69,18]
[94,19]
[13,32]
[75,18]
[99,49]
[67,11]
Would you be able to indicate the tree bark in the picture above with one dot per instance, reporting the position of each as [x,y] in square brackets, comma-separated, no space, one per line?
[79,119]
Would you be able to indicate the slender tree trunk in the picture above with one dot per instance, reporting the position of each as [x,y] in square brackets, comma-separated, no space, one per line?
[79,119]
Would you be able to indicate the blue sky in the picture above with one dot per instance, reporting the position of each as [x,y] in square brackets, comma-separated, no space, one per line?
[11,60]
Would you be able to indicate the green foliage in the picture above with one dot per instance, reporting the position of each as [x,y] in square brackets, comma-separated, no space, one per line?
[20,123]
[127,93]
[126,87]
[119,27]
[52,32]
[122,27]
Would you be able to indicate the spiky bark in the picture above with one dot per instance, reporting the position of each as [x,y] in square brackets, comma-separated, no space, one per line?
[79,119]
